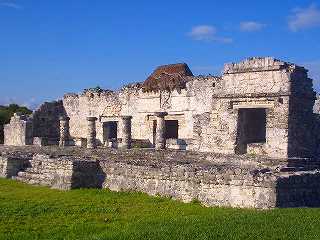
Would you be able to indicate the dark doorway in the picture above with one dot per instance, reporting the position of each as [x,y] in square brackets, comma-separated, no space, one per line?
[172,127]
[110,130]
[251,127]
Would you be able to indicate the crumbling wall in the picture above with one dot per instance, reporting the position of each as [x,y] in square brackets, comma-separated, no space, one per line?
[281,88]
[11,165]
[61,172]
[228,186]
[302,141]
[212,179]
[19,131]
[133,101]
[256,75]
[90,103]
[46,121]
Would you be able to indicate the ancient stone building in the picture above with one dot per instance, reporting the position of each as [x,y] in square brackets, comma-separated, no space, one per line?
[252,137]
[259,106]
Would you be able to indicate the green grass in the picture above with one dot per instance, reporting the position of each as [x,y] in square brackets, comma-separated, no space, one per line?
[28,212]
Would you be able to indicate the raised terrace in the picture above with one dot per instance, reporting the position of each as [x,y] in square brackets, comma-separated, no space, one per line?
[213,179]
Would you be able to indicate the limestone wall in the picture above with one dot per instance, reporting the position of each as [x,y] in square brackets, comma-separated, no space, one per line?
[211,186]
[11,165]
[256,75]
[19,131]
[216,186]
[46,120]
[218,129]
[131,100]
[60,172]
[213,179]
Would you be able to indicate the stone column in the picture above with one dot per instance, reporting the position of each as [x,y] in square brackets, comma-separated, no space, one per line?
[91,134]
[161,130]
[64,131]
[126,132]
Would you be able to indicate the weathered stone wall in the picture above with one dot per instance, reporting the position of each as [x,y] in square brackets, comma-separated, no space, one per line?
[216,185]
[213,179]
[218,129]
[93,104]
[132,101]
[256,75]
[301,136]
[212,186]
[286,93]
[46,121]
[11,165]
[61,172]
[19,131]
[206,109]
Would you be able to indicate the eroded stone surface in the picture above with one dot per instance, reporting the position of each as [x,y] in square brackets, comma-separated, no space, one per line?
[213,179]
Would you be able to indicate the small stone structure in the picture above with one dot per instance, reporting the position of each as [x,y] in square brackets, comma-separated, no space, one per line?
[19,132]
[260,107]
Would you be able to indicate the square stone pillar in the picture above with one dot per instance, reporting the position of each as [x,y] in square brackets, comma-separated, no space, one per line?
[64,131]
[126,132]
[91,134]
[161,130]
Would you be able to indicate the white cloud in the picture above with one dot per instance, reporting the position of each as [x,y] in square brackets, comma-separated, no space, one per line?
[303,18]
[9,4]
[207,33]
[251,26]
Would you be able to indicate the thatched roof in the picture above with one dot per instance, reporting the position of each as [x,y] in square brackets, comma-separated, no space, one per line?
[167,78]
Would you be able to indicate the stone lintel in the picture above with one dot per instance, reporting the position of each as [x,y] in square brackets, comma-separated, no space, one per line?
[252,95]
[160,114]
[253,105]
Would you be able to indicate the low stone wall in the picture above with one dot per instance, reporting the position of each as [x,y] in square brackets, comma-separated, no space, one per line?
[214,180]
[217,185]
[212,186]
[56,172]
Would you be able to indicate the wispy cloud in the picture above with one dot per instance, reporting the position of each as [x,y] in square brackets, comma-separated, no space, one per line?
[303,18]
[10,5]
[207,33]
[251,26]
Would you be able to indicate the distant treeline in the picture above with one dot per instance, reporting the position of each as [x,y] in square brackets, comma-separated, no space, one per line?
[6,112]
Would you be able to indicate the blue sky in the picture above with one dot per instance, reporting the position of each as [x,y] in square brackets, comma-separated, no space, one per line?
[50,47]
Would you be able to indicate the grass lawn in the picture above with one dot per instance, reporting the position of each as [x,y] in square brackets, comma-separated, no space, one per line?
[28,212]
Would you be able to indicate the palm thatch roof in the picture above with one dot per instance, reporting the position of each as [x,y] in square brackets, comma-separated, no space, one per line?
[167,78]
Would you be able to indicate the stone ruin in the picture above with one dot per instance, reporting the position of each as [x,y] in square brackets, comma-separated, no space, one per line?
[256,129]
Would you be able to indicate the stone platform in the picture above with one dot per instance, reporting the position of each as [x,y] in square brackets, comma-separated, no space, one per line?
[213,179]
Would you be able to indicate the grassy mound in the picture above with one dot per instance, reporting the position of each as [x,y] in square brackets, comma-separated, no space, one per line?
[28,212]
